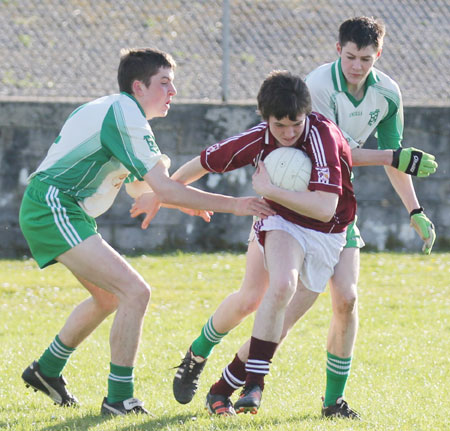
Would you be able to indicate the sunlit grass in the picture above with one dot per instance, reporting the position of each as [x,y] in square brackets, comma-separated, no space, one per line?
[400,372]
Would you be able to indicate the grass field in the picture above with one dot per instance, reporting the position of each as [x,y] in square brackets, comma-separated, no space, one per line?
[400,375]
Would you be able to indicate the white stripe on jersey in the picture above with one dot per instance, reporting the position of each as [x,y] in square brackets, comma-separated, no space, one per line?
[120,121]
[83,177]
[93,179]
[344,162]
[317,147]
[62,221]
[257,128]
[307,126]
[338,77]
[79,160]
[242,149]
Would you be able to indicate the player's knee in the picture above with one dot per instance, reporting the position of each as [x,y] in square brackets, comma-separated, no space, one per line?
[249,304]
[347,304]
[138,295]
[144,294]
[282,292]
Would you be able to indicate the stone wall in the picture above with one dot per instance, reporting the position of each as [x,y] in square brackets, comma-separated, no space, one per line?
[27,130]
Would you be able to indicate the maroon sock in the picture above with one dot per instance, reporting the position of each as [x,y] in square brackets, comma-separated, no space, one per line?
[257,366]
[233,377]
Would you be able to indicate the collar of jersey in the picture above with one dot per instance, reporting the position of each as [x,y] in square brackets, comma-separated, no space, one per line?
[133,98]
[269,139]
[340,83]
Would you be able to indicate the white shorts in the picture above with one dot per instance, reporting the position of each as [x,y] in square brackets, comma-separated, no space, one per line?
[322,250]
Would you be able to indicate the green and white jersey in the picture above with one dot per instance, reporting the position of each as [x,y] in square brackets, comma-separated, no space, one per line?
[99,146]
[380,109]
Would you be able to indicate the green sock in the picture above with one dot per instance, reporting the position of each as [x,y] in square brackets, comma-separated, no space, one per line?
[120,383]
[209,337]
[338,370]
[54,359]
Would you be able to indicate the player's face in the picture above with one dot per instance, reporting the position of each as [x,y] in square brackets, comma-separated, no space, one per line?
[285,131]
[357,63]
[155,99]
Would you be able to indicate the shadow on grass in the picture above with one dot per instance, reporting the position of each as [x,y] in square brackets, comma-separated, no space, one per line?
[80,423]
[220,422]
[91,421]
[157,423]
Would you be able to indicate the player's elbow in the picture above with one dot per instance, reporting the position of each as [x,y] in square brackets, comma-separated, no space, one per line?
[326,207]
[325,216]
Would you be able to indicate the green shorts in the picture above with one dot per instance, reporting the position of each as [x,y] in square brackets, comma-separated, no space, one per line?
[353,236]
[52,222]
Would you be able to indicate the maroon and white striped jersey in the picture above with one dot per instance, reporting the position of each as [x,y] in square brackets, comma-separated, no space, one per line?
[331,161]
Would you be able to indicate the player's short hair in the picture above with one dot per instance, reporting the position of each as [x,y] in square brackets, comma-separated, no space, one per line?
[141,64]
[362,31]
[283,95]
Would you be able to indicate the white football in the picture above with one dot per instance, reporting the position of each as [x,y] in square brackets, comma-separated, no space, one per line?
[289,168]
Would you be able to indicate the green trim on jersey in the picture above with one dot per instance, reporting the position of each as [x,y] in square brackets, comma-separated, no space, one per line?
[86,158]
[133,98]
[390,130]
[76,110]
[114,129]
[99,146]
[340,83]
[380,110]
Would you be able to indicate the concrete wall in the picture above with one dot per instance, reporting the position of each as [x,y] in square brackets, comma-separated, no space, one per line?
[27,130]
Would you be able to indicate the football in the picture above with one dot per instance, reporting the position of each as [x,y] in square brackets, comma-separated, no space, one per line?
[289,168]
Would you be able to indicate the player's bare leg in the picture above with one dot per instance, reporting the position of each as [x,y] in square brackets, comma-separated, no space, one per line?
[94,260]
[238,305]
[342,333]
[113,284]
[284,258]
[233,309]
[88,315]
[343,288]
[300,303]
[98,263]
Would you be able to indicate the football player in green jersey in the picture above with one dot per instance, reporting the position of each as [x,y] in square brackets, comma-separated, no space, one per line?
[101,145]
[362,100]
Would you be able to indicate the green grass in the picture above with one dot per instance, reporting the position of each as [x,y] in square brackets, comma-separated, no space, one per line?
[400,374]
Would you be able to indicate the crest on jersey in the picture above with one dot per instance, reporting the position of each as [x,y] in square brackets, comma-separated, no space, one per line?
[373,116]
[323,175]
[212,148]
[152,144]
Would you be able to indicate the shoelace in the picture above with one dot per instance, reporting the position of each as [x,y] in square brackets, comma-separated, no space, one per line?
[188,363]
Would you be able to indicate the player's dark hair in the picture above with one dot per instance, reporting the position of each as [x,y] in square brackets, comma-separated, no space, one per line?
[141,64]
[362,31]
[283,95]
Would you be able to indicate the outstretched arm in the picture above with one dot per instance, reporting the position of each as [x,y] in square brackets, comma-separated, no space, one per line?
[174,193]
[189,172]
[186,174]
[409,160]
